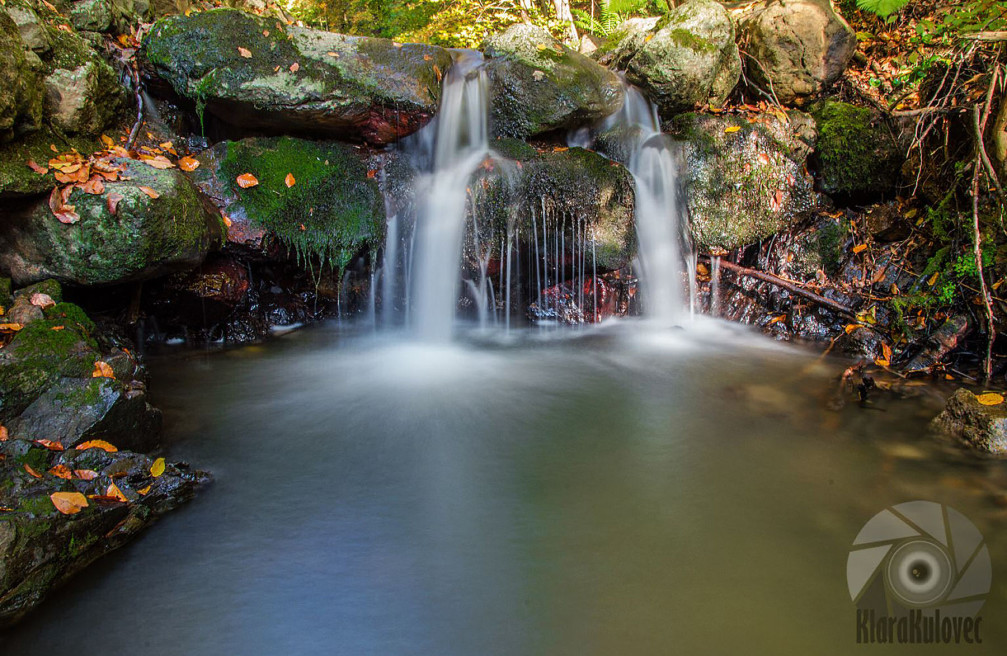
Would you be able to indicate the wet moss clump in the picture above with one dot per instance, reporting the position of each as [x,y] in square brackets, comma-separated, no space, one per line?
[856,157]
[333,210]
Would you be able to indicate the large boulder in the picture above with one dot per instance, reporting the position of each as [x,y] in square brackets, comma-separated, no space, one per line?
[686,59]
[745,180]
[797,47]
[21,100]
[974,425]
[857,157]
[159,224]
[331,210]
[256,72]
[538,85]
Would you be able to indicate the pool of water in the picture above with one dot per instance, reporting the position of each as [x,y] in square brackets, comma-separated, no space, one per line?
[614,491]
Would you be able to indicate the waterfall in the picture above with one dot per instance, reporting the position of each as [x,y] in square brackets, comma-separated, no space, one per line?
[460,144]
[633,136]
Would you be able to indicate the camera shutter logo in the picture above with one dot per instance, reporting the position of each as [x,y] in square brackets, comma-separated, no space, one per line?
[921,556]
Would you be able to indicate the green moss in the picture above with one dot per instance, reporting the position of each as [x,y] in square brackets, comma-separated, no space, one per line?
[514,149]
[49,287]
[687,39]
[5,295]
[36,457]
[332,211]
[68,313]
[16,179]
[38,506]
[855,156]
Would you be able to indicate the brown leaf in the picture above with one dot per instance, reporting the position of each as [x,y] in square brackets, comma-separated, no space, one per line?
[57,203]
[96,444]
[150,192]
[372,173]
[289,180]
[245,52]
[4,435]
[68,503]
[93,186]
[112,203]
[41,170]
[85,474]
[157,161]
[247,180]
[188,164]
[41,300]
[61,471]
[437,72]
[102,370]
[168,147]
[49,444]
[31,472]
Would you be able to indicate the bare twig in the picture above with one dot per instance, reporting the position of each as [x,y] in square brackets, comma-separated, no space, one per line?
[790,287]
[979,123]
[978,253]
[986,37]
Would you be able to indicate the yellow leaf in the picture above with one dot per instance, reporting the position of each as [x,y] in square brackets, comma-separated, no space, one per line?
[850,327]
[776,319]
[881,362]
[733,128]
[102,370]
[933,279]
[68,503]
[648,38]
[157,468]
[859,248]
[96,444]
[990,398]
[289,180]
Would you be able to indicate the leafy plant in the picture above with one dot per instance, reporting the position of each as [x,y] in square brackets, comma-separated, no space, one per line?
[603,23]
[883,8]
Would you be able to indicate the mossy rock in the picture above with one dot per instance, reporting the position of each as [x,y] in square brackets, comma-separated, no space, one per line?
[145,238]
[333,210]
[17,179]
[538,85]
[6,298]
[296,79]
[857,158]
[21,99]
[50,288]
[974,425]
[687,59]
[744,181]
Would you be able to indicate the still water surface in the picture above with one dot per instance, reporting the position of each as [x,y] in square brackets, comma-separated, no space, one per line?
[613,492]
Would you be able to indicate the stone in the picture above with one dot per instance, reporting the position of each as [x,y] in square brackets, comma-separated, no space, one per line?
[798,48]
[974,425]
[21,100]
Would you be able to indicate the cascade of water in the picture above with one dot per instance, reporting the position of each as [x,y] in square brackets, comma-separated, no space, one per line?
[714,286]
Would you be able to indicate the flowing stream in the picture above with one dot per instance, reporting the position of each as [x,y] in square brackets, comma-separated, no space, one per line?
[608,491]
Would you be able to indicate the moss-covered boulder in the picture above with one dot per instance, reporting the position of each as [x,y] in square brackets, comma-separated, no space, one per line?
[158,224]
[332,210]
[538,85]
[857,157]
[17,179]
[797,47]
[688,58]
[257,72]
[974,425]
[40,548]
[745,181]
[21,99]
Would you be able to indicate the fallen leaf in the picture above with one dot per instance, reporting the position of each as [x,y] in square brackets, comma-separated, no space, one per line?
[150,192]
[372,173]
[114,492]
[112,203]
[41,300]
[776,319]
[102,370]
[85,474]
[31,472]
[776,201]
[227,219]
[990,398]
[93,186]
[859,248]
[733,128]
[427,58]
[4,435]
[68,503]
[763,158]
[51,445]
[933,278]
[303,228]
[168,147]
[157,161]
[61,471]
[57,204]
[10,327]
[41,170]
[245,52]
[289,180]
[850,327]
[188,164]
[332,54]
[96,444]
[560,149]
[648,38]
[107,141]
[157,468]
[886,351]
[437,72]
[881,362]
[295,67]
[144,491]
[247,180]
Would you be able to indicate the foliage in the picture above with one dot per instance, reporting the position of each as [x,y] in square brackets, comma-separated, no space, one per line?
[883,8]
[603,23]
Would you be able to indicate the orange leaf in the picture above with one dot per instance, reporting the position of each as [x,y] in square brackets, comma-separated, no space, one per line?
[93,186]
[61,471]
[85,474]
[188,164]
[850,327]
[289,180]
[168,147]
[265,32]
[114,492]
[157,161]
[437,72]
[58,328]
[10,327]
[112,203]
[102,370]
[57,204]
[144,491]
[295,67]
[150,192]
[31,471]
[859,248]
[246,180]
[68,503]
[35,167]
[763,158]
[96,444]
[372,173]
[49,444]
[245,52]
[4,435]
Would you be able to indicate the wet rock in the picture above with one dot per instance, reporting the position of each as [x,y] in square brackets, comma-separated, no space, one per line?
[17,180]
[747,184]
[23,312]
[857,158]
[21,100]
[41,548]
[538,85]
[296,79]
[333,210]
[589,300]
[76,100]
[686,59]
[798,47]
[5,292]
[974,425]
[146,237]
[937,345]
